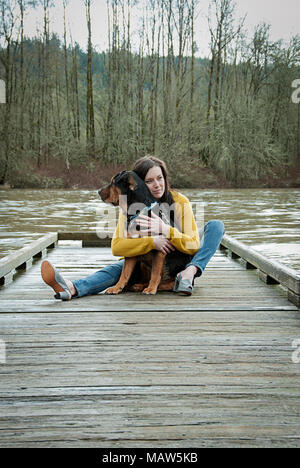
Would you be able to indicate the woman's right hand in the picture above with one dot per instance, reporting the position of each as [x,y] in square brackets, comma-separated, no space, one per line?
[163,245]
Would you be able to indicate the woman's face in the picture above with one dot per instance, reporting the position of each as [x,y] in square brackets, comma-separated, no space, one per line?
[155,182]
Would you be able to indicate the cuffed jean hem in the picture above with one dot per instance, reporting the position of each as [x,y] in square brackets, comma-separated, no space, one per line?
[210,236]
[100,280]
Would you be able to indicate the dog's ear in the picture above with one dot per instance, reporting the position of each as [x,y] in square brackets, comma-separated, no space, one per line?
[127,179]
[132,180]
[121,178]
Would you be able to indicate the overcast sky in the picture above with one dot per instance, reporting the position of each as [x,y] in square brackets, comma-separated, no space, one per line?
[282,15]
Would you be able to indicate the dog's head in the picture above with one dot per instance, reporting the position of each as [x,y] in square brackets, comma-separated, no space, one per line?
[127,190]
[126,183]
[121,184]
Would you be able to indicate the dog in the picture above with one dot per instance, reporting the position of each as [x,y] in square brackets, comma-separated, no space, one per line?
[154,271]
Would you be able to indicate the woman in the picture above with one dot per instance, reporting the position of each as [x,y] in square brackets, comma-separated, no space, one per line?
[156,234]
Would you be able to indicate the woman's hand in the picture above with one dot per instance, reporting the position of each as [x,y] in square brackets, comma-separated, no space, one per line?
[152,226]
[163,245]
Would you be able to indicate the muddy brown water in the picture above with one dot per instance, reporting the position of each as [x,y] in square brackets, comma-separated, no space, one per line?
[266,219]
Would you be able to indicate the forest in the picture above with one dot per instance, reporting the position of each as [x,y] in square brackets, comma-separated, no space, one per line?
[73,117]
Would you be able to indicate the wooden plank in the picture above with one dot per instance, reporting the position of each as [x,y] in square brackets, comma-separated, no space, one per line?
[14,260]
[88,238]
[224,286]
[232,391]
[97,442]
[7,279]
[74,430]
[144,379]
[26,265]
[294,298]
[281,273]
[143,371]
[197,442]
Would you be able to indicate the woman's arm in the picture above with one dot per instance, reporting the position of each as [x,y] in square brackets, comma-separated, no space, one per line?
[184,239]
[127,247]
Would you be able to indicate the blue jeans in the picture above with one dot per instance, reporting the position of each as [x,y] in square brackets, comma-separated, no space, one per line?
[100,280]
[210,238]
[210,235]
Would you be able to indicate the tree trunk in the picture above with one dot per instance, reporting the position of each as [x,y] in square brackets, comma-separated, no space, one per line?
[7,119]
[22,83]
[192,85]
[90,123]
[66,69]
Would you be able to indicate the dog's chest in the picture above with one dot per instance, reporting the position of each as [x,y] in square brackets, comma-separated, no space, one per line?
[147,261]
[166,272]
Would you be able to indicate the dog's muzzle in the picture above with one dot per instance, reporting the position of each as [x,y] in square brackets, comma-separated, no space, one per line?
[102,193]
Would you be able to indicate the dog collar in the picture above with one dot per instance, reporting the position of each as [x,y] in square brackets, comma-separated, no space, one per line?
[144,210]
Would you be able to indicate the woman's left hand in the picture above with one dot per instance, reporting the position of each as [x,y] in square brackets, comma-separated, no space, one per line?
[152,226]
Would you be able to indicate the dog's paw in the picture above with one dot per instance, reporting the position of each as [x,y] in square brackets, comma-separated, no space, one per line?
[150,290]
[113,291]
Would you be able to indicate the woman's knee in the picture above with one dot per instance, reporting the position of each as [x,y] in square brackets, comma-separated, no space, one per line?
[217,226]
[115,269]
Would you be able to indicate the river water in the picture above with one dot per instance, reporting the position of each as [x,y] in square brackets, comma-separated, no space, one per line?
[266,219]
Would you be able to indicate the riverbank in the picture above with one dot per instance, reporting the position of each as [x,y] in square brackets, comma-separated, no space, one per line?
[57,175]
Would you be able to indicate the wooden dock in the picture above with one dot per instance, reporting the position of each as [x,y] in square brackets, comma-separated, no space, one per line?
[218,369]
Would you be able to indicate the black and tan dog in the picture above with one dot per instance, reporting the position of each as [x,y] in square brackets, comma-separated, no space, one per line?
[154,271]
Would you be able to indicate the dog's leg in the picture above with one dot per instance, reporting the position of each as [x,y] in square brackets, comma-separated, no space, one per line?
[156,273]
[127,271]
[145,276]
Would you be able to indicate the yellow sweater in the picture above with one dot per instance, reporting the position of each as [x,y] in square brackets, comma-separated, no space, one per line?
[185,240]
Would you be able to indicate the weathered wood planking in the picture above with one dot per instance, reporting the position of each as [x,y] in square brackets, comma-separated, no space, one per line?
[22,259]
[173,379]
[270,271]
[211,370]
[224,286]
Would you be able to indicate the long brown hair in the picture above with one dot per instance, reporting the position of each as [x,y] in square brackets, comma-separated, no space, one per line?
[142,166]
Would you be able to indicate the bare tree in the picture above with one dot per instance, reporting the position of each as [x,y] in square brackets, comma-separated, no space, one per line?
[90,120]
[65,2]
[7,29]
[222,33]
